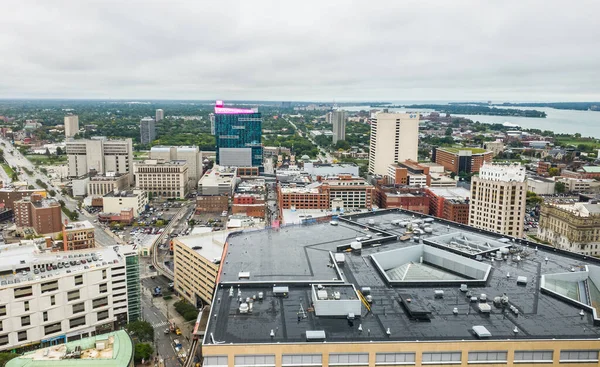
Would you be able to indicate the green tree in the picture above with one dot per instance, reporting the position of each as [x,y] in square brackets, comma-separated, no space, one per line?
[554,171]
[143,351]
[342,144]
[47,153]
[143,330]
[15,176]
[448,131]
[5,357]
[560,187]
[59,151]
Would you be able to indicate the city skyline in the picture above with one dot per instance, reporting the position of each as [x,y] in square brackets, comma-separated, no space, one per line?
[464,51]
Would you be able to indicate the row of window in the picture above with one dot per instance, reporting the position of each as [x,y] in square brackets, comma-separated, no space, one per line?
[405,358]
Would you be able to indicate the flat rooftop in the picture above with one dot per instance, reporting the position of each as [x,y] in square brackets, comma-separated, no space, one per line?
[105,350]
[457,193]
[299,256]
[456,150]
[209,245]
[84,224]
[17,262]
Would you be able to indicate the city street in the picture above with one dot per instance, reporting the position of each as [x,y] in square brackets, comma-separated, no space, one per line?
[16,159]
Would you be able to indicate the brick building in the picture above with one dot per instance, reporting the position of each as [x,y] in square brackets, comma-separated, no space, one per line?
[345,190]
[449,203]
[212,203]
[8,195]
[457,160]
[251,205]
[405,197]
[408,173]
[78,235]
[39,213]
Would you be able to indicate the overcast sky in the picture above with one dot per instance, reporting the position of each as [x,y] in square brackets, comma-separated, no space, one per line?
[301,50]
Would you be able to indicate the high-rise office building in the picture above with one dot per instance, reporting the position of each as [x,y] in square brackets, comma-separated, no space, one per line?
[238,134]
[394,138]
[338,122]
[147,130]
[71,126]
[100,155]
[167,180]
[160,114]
[498,197]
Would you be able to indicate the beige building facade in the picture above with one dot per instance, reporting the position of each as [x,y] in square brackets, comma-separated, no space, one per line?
[100,155]
[394,138]
[573,227]
[498,198]
[113,202]
[71,126]
[196,261]
[166,180]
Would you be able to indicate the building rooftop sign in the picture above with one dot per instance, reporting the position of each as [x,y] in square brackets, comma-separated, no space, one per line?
[220,109]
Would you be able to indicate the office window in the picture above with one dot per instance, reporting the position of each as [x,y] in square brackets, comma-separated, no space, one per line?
[1,327]
[50,286]
[45,316]
[3,310]
[488,357]
[3,339]
[100,302]
[73,295]
[579,356]
[441,357]
[346,359]
[78,321]
[301,360]
[25,320]
[23,292]
[102,315]
[22,336]
[103,288]
[53,328]
[255,360]
[26,305]
[533,356]
[52,300]
[215,361]
[78,279]
[384,359]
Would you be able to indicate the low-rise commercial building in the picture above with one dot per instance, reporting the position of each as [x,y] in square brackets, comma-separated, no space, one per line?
[78,235]
[349,310]
[577,184]
[168,180]
[41,214]
[218,181]
[496,147]
[408,173]
[404,197]
[572,227]
[196,261]
[113,349]
[100,185]
[449,203]
[48,298]
[212,204]
[336,193]
[115,201]
[252,205]
[540,185]
[457,160]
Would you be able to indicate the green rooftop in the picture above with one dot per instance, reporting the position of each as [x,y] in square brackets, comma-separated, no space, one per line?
[106,350]
[591,169]
[456,150]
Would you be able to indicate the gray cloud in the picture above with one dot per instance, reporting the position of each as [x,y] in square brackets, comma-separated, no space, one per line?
[308,50]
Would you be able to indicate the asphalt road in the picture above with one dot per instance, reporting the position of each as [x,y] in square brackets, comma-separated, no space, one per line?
[16,159]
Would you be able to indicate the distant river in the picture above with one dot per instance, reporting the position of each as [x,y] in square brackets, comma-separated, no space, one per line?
[587,123]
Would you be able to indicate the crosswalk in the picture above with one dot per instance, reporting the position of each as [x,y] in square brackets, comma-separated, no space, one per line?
[160,324]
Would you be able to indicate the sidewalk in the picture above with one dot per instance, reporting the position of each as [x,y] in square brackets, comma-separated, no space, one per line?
[187,327]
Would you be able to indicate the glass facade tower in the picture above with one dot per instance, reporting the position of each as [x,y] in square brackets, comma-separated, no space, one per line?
[133,287]
[239,128]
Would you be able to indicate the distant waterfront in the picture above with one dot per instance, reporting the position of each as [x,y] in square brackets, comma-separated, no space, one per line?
[587,123]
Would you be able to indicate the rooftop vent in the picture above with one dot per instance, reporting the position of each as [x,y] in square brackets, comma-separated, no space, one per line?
[315,335]
[481,331]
